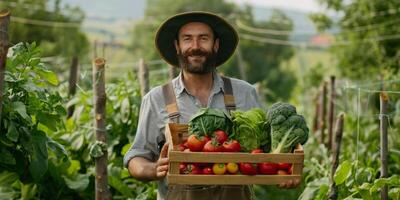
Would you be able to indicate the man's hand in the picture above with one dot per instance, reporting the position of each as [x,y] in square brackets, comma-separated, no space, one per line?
[162,163]
[289,184]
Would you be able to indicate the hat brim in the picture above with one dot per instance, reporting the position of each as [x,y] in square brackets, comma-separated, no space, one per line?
[166,34]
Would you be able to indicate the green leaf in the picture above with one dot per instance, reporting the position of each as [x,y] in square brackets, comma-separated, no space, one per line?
[57,148]
[6,157]
[125,148]
[77,141]
[39,163]
[49,76]
[21,109]
[74,167]
[8,193]
[97,149]
[343,172]
[379,183]
[7,178]
[28,191]
[12,133]
[120,186]
[125,110]
[394,193]
[48,120]
[78,182]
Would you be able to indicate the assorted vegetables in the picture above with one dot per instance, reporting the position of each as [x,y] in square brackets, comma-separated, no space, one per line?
[278,130]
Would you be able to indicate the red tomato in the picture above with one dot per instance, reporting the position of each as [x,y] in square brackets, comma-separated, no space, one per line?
[257,151]
[221,136]
[282,172]
[192,169]
[248,168]
[182,168]
[268,168]
[207,170]
[195,144]
[231,146]
[182,147]
[284,166]
[213,146]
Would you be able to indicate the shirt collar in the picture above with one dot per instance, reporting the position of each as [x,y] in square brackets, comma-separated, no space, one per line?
[179,86]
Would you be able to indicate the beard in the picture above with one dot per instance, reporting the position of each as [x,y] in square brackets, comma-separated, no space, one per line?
[203,68]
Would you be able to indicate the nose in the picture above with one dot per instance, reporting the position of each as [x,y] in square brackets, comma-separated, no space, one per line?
[195,44]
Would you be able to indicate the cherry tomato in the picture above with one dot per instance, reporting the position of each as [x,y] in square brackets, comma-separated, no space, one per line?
[207,170]
[284,166]
[248,168]
[257,151]
[182,168]
[282,172]
[193,169]
[232,168]
[231,146]
[268,168]
[221,136]
[219,168]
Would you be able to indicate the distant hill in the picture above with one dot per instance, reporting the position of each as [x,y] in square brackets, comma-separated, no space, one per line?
[113,20]
[301,22]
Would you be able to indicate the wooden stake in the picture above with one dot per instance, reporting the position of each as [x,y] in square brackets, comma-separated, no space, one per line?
[316,114]
[333,194]
[331,111]
[4,22]
[73,76]
[102,192]
[322,114]
[143,76]
[384,98]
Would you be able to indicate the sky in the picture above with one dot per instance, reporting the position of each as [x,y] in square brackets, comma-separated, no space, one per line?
[299,5]
[134,9]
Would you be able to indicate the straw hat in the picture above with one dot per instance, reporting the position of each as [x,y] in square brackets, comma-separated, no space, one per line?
[168,31]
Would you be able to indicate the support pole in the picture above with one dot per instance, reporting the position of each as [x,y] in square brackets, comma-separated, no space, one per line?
[333,194]
[73,77]
[331,111]
[4,22]
[102,192]
[384,99]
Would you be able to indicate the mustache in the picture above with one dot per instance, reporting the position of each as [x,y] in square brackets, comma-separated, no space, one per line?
[196,52]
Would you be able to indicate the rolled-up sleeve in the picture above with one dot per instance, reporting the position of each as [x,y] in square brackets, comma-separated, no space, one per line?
[147,133]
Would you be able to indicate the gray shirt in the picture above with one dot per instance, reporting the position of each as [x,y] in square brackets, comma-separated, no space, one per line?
[153,115]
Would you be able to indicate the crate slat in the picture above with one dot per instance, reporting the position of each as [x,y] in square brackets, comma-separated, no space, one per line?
[177,156]
[229,179]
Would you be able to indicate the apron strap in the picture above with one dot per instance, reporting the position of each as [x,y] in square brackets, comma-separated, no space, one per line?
[170,102]
[229,99]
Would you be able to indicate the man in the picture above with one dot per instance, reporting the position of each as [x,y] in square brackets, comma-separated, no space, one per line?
[197,42]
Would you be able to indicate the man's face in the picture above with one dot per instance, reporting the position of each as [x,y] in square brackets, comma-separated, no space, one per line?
[196,48]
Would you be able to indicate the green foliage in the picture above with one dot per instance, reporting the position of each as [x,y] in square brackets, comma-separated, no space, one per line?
[53,39]
[32,113]
[357,176]
[249,129]
[368,29]
[207,120]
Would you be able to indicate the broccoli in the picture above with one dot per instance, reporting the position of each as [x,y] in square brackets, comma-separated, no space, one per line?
[287,128]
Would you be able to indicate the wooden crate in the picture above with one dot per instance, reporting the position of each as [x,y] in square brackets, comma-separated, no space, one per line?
[176,133]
